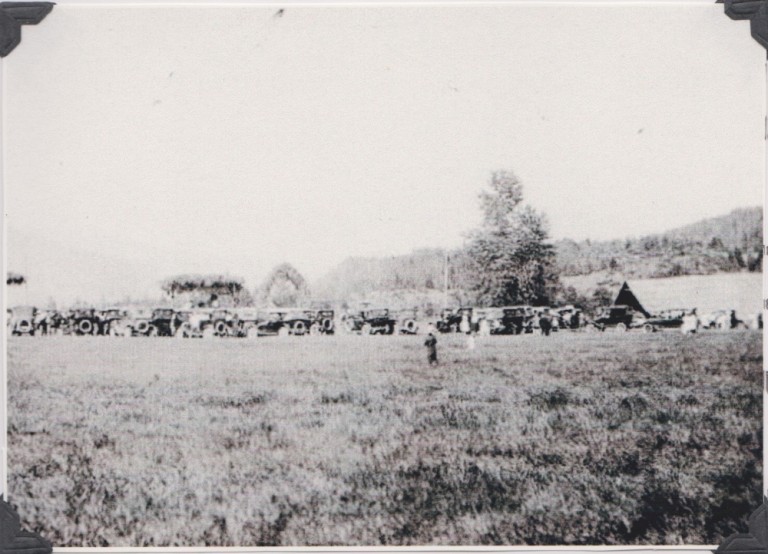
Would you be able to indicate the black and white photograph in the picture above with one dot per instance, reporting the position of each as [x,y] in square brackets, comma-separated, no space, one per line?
[413,274]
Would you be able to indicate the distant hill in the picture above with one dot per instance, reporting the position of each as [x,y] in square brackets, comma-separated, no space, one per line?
[415,279]
[727,243]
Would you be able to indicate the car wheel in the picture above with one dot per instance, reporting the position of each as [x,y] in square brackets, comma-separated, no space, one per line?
[221,328]
[85,327]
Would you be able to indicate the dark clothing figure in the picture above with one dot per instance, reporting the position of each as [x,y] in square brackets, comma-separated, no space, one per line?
[431,344]
[734,320]
[575,323]
[545,324]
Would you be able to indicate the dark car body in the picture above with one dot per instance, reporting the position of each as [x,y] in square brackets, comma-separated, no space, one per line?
[84,321]
[275,322]
[376,321]
[109,320]
[450,321]
[22,320]
[617,317]
[514,320]
[323,322]
[569,318]
[666,319]
[162,323]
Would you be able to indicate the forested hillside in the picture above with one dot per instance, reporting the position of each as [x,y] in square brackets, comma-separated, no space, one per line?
[731,242]
[728,243]
[422,273]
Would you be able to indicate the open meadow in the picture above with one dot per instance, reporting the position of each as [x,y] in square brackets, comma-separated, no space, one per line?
[346,440]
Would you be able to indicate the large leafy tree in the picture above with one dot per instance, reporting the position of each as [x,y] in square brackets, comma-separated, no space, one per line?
[284,287]
[513,261]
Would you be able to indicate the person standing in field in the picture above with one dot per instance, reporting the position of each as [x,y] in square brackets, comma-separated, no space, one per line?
[545,322]
[690,322]
[464,326]
[471,340]
[431,344]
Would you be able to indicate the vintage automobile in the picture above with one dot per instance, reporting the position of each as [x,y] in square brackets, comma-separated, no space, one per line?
[221,323]
[514,320]
[283,322]
[613,317]
[162,323]
[194,323]
[244,322]
[84,321]
[22,320]
[665,319]
[569,317]
[406,321]
[136,322]
[487,321]
[49,322]
[539,313]
[303,321]
[450,319]
[227,322]
[323,322]
[454,320]
[109,322]
[371,321]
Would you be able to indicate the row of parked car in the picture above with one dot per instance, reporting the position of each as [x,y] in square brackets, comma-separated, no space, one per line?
[252,322]
[624,318]
[516,320]
[191,323]
[208,322]
[511,320]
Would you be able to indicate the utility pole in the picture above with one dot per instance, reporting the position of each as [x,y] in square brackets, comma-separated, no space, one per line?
[445,281]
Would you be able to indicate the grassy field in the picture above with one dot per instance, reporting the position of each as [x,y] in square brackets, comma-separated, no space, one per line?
[571,439]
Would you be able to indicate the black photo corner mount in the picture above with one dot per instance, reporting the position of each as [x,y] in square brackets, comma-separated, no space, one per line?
[754,542]
[756,11]
[14,540]
[15,14]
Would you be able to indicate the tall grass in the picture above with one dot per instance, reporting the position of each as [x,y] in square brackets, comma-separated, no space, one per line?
[575,439]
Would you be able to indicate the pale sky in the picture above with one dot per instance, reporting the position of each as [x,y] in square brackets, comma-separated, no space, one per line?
[141,142]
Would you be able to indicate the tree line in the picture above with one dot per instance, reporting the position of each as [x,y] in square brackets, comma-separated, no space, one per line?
[728,243]
[507,260]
